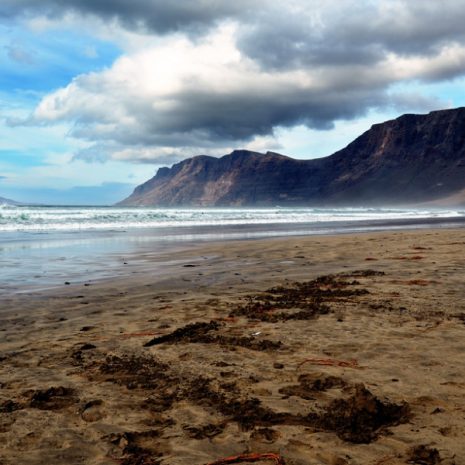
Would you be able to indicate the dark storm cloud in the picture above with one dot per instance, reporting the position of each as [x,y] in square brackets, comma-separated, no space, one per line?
[206,119]
[249,114]
[307,62]
[352,33]
[158,16]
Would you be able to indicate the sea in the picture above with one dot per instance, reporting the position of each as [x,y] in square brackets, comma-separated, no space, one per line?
[45,246]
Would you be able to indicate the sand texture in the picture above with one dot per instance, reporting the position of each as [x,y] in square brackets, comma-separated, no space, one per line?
[336,350]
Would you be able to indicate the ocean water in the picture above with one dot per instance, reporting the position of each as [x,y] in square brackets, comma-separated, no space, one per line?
[43,247]
[53,219]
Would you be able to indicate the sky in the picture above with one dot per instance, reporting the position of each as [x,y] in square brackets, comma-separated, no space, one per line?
[96,95]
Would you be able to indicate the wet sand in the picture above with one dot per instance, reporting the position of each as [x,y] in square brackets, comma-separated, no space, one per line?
[325,350]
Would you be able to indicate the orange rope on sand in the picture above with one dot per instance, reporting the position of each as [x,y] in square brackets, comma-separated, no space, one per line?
[331,362]
[249,458]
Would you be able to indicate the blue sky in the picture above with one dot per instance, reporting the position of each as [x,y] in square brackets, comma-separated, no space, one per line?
[94,96]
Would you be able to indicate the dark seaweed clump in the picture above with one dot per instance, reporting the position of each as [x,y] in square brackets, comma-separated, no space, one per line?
[137,448]
[9,406]
[424,455]
[362,417]
[135,372]
[202,333]
[54,398]
[306,300]
[311,384]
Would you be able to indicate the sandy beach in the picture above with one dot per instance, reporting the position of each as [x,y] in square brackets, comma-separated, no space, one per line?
[324,350]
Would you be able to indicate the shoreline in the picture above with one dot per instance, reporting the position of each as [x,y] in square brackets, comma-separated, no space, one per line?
[33,261]
[377,324]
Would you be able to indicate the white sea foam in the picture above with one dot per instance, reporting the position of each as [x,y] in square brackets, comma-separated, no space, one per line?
[46,219]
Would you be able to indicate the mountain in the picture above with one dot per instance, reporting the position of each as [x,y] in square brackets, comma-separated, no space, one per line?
[4,201]
[411,159]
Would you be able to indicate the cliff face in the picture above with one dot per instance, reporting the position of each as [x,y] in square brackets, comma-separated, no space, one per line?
[412,159]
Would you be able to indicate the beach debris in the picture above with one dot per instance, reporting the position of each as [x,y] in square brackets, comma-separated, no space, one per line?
[87,328]
[352,363]
[9,406]
[187,333]
[362,417]
[87,346]
[91,411]
[310,384]
[277,459]
[301,300]
[267,435]
[402,257]
[135,448]
[247,412]
[202,432]
[420,282]
[362,273]
[78,354]
[359,418]
[424,455]
[135,372]
[201,333]
[54,398]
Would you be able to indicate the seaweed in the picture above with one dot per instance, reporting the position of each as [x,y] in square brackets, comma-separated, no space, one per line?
[306,299]
[361,417]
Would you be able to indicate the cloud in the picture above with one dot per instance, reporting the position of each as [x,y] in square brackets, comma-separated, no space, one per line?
[159,16]
[251,68]
[351,32]
[19,54]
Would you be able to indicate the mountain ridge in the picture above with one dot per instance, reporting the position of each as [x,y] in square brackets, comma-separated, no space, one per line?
[408,160]
[5,201]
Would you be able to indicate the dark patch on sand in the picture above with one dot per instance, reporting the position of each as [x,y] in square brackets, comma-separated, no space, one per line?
[302,300]
[362,417]
[424,455]
[310,384]
[203,432]
[77,354]
[189,333]
[201,333]
[135,448]
[92,411]
[135,371]
[54,398]
[9,406]
[267,435]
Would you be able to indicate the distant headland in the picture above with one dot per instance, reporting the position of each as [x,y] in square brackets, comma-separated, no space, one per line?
[413,159]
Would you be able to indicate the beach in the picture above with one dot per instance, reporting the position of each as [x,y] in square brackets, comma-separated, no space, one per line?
[326,349]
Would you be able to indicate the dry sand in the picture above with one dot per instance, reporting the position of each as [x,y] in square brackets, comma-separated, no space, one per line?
[363,366]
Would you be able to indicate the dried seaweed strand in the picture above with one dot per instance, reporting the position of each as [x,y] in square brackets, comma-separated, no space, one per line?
[385,459]
[330,362]
[249,458]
